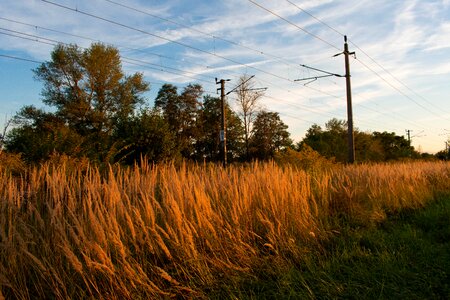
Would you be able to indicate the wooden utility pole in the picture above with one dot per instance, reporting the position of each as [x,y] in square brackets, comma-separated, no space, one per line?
[350,135]
[223,131]
[351,138]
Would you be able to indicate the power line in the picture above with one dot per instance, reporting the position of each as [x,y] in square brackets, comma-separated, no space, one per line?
[398,90]
[295,25]
[213,36]
[392,115]
[165,39]
[28,35]
[315,18]
[181,44]
[372,59]
[96,40]
[132,61]
[394,77]
[147,65]
[108,43]
[20,58]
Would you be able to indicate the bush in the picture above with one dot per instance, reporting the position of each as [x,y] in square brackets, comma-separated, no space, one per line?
[306,159]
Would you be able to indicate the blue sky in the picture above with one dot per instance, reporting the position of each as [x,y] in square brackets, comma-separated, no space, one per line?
[400,77]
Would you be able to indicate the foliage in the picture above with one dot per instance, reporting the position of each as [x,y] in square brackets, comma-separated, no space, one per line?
[181,112]
[208,145]
[269,135]
[443,155]
[377,146]
[41,134]
[306,158]
[394,147]
[146,135]
[89,94]
[94,113]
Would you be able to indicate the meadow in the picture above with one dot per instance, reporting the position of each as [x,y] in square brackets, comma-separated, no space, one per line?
[70,230]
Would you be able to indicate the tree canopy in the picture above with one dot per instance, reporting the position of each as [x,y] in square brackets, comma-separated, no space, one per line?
[99,112]
[376,146]
[89,94]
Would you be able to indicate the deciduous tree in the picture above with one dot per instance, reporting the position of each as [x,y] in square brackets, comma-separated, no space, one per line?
[89,93]
[247,101]
[269,135]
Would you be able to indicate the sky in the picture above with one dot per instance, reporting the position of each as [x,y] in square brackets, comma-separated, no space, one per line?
[400,74]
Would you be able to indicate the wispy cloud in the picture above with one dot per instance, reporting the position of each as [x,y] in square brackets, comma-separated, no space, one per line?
[408,38]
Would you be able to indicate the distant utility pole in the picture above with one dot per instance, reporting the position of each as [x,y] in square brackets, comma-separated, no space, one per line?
[408,133]
[223,131]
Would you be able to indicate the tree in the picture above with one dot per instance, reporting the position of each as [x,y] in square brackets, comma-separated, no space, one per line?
[88,88]
[146,135]
[208,145]
[269,135]
[331,142]
[394,146]
[181,112]
[8,122]
[40,134]
[247,100]
[167,102]
[90,94]
[376,146]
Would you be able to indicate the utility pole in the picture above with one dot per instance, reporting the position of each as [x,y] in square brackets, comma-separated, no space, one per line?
[223,131]
[351,138]
[408,133]
[350,135]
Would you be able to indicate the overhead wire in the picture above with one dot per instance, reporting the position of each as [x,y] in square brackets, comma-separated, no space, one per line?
[374,61]
[213,36]
[20,58]
[99,41]
[394,77]
[178,43]
[182,44]
[208,68]
[397,89]
[166,39]
[315,18]
[295,25]
[132,61]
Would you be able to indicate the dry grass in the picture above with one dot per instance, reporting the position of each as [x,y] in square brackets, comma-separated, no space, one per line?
[165,231]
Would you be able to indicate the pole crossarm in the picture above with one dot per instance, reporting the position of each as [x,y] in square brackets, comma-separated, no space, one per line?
[242,83]
[319,70]
[314,77]
[258,89]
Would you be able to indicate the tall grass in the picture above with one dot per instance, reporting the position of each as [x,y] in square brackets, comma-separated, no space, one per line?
[158,231]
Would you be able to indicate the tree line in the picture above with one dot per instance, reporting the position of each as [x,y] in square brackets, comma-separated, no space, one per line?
[98,112]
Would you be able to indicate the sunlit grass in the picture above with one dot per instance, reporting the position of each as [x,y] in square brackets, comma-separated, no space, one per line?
[77,231]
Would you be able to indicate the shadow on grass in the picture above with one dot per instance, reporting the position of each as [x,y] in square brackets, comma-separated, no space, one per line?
[406,257]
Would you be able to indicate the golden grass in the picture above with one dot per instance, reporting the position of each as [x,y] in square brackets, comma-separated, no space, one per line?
[165,231]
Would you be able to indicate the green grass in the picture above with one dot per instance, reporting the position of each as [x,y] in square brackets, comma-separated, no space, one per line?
[405,257]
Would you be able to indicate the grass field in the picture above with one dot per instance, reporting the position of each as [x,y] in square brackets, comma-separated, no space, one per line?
[254,231]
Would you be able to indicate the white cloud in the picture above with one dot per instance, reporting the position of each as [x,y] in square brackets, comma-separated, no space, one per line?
[408,38]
